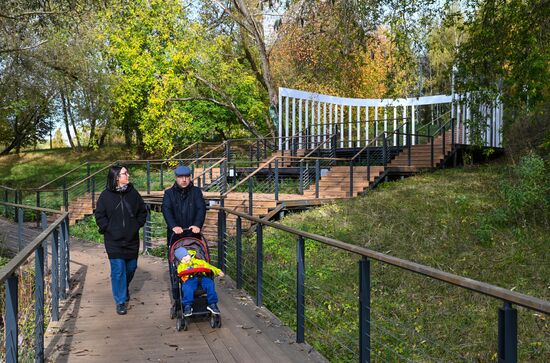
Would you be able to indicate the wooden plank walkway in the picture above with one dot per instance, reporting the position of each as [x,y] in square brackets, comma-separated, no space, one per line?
[90,330]
[9,235]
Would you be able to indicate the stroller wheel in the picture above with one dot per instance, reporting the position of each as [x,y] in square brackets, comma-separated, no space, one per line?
[215,321]
[181,323]
[173,312]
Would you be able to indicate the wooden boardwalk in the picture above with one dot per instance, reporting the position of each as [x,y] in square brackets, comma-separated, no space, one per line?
[9,235]
[90,330]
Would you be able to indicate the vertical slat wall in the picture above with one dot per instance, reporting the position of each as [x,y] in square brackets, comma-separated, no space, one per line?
[310,118]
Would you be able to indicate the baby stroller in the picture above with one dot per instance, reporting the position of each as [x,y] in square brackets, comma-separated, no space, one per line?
[200,302]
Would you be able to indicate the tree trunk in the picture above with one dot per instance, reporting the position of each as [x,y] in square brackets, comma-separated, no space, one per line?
[66,119]
[251,26]
[104,134]
[69,109]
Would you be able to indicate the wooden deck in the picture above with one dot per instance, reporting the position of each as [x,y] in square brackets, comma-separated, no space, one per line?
[90,330]
[9,235]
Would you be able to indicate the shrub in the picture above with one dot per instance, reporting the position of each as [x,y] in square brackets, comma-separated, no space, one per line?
[527,192]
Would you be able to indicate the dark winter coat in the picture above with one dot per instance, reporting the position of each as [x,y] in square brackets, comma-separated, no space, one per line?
[119,216]
[183,207]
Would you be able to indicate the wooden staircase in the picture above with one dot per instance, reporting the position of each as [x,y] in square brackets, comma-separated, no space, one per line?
[420,155]
[262,204]
[336,183]
[81,207]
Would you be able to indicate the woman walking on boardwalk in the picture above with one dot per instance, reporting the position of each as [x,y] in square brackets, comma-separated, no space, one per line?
[119,214]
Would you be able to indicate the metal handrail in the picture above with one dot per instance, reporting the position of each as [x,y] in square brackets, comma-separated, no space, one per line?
[500,293]
[184,150]
[250,175]
[329,138]
[62,176]
[209,168]
[22,256]
[380,136]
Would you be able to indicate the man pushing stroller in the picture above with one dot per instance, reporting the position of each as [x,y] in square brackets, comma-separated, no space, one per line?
[192,271]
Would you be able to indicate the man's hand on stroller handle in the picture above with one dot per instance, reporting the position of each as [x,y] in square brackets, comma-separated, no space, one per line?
[179,230]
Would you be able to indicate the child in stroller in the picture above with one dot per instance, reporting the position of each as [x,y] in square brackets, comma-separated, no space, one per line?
[192,276]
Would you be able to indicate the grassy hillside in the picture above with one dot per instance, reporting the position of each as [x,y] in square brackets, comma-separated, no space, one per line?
[456,220]
[32,169]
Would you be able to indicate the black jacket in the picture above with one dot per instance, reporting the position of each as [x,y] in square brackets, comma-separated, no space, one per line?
[119,216]
[183,207]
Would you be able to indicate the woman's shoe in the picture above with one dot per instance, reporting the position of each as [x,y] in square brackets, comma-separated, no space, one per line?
[121,309]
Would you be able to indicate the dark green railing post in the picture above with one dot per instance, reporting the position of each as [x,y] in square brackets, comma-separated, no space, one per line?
[37,206]
[301,187]
[453,132]
[88,176]
[63,262]
[259,263]
[148,177]
[276,179]
[443,141]
[20,219]
[55,275]
[65,196]
[364,310]
[507,334]
[432,151]
[39,304]
[15,201]
[300,291]
[44,226]
[161,176]
[93,192]
[351,179]
[239,253]
[317,175]
[6,196]
[147,229]
[368,164]
[250,196]
[11,312]
[228,150]
[221,236]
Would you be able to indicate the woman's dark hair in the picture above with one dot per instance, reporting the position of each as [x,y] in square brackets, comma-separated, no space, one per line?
[114,172]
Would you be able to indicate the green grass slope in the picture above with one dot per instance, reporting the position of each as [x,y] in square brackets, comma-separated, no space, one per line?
[456,220]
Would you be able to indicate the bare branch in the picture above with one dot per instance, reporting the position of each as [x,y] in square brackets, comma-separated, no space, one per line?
[30,13]
[12,50]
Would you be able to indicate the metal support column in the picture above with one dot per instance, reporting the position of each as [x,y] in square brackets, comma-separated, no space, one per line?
[259,264]
[507,334]
[300,291]
[239,248]
[39,304]
[364,310]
